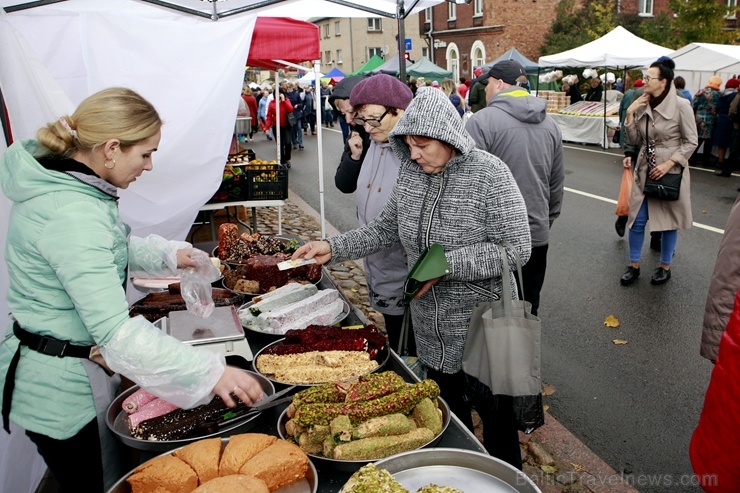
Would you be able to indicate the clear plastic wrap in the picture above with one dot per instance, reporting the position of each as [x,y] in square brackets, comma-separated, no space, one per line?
[195,284]
[166,367]
[154,256]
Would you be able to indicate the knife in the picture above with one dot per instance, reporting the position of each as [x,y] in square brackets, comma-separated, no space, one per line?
[242,412]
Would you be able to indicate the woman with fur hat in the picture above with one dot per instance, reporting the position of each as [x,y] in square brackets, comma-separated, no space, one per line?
[451,193]
[706,103]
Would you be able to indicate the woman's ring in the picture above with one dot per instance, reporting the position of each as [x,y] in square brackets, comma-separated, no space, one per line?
[233,391]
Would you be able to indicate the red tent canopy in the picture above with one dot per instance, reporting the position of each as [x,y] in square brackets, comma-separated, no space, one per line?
[285,39]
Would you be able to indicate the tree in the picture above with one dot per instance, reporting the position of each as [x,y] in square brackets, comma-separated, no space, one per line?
[699,21]
[657,30]
[566,31]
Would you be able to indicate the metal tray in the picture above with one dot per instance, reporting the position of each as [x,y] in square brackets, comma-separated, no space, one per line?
[223,284]
[214,252]
[462,469]
[345,311]
[353,465]
[382,359]
[309,484]
[115,418]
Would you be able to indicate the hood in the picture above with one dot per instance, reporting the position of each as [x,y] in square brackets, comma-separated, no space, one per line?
[431,114]
[520,104]
[23,178]
[344,87]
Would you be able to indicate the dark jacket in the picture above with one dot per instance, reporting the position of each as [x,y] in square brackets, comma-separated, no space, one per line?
[477,96]
[348,170]
[594,93]
[297,102]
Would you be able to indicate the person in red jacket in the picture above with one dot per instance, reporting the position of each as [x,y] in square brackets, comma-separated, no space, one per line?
[251,101]
[715,445]
[285,108]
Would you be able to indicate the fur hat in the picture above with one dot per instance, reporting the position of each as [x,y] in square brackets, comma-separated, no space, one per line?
[381,89]
[508,71]
[715,82]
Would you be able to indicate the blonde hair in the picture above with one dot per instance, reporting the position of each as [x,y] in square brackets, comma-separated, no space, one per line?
[114,113]
[448,87]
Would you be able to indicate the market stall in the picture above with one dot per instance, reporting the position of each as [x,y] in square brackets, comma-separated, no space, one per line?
[696,62]
[619,49]
[54,54]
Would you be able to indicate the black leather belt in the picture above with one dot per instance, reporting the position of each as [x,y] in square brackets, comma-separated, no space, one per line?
[41,344]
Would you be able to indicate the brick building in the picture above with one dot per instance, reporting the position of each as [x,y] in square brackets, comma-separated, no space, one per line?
[347,43]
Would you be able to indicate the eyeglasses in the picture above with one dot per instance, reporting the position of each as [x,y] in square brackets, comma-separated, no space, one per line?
[373,122]
[647,78]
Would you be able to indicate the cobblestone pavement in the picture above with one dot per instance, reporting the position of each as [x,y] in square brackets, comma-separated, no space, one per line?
[554,459]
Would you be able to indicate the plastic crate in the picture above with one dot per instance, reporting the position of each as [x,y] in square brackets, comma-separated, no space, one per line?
[266,182]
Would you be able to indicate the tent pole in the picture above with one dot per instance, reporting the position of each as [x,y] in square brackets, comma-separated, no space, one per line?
[400,14]
[276,125]
[319,142]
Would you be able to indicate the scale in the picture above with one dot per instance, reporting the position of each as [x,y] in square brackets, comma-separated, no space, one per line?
[221,333]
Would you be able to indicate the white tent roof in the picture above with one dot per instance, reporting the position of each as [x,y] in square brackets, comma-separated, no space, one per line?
[618,48]
[707,57]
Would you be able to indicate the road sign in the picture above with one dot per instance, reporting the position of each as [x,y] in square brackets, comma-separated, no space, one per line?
[408,44]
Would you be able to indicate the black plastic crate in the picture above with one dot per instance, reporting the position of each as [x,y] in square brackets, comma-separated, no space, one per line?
[268,182]
[233,186]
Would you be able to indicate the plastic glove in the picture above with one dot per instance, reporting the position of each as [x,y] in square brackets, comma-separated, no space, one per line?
[195,284]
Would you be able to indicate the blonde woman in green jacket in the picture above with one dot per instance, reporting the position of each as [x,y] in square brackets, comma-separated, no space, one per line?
[67,255]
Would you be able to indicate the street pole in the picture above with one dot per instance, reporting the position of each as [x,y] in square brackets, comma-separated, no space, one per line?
[400,14]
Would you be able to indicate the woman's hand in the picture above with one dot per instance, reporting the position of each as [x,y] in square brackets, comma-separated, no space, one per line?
[627,162]
[185,258]
[638,103]
[355,145]
[241,384]
[319,250]
[661,169]
[427,286]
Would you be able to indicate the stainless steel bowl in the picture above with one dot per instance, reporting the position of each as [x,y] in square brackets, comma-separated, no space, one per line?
[309,484]
[382,359]
[462,469]
[243,125]
[345,311]
[353,465]
[116,419]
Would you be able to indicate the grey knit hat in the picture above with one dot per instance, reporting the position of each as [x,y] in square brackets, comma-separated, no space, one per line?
[431,114]
[381,89]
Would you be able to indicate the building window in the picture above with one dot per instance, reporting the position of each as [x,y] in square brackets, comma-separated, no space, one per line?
[327,57]
[326,30]
[477,55]
[451,11]
[477,8]
[731,9]
[428,15]
[374,51]
[425,51]
[646,7]
[374,24]
[339,56]
[337,29]
[453,61]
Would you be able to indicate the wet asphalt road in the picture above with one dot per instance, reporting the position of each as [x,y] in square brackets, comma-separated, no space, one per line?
[634,405]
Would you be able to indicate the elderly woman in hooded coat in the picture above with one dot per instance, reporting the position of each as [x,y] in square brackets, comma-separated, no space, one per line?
[450,193]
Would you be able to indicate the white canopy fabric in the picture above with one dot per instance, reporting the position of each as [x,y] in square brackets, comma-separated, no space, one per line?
[308,78]
[696,62]
[617,49]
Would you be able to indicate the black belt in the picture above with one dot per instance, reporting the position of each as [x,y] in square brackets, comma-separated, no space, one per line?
[41,344]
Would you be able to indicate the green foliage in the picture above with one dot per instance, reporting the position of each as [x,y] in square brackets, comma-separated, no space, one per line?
[566,31]
[698,21]
[602,16]
[657,30]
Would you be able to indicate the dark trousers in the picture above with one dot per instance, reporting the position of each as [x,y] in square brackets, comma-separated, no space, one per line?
[706,155]
[285,144]
[500,434]
[533,277]
[393,324]
[75,462]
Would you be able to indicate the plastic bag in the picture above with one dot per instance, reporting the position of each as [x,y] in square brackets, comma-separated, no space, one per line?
[623,203]
[195,285]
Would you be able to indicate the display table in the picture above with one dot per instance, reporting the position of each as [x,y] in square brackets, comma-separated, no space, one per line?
[253,204]
[586,129]
[330,479]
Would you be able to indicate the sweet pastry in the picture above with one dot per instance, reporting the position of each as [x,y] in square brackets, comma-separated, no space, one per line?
[280,463]
[235,483]
[203,456]
[165,473]
[240,449]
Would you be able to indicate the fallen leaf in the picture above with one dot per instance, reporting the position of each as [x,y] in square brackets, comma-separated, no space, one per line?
[548,469]
[547,390]
[354,290]
[620,342]
[611,321]
[545,408]
[577,467]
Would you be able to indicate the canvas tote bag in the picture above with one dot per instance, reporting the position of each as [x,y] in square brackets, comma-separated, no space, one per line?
[502,350]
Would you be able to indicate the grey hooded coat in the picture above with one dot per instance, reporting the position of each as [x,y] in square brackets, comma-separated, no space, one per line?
[468,208]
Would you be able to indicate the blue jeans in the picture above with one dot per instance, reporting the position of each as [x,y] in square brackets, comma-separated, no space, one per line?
[297,132]
[637,236]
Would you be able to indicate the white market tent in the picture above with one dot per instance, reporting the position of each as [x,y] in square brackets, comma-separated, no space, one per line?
[696,62]
[619,48]
[54,53]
